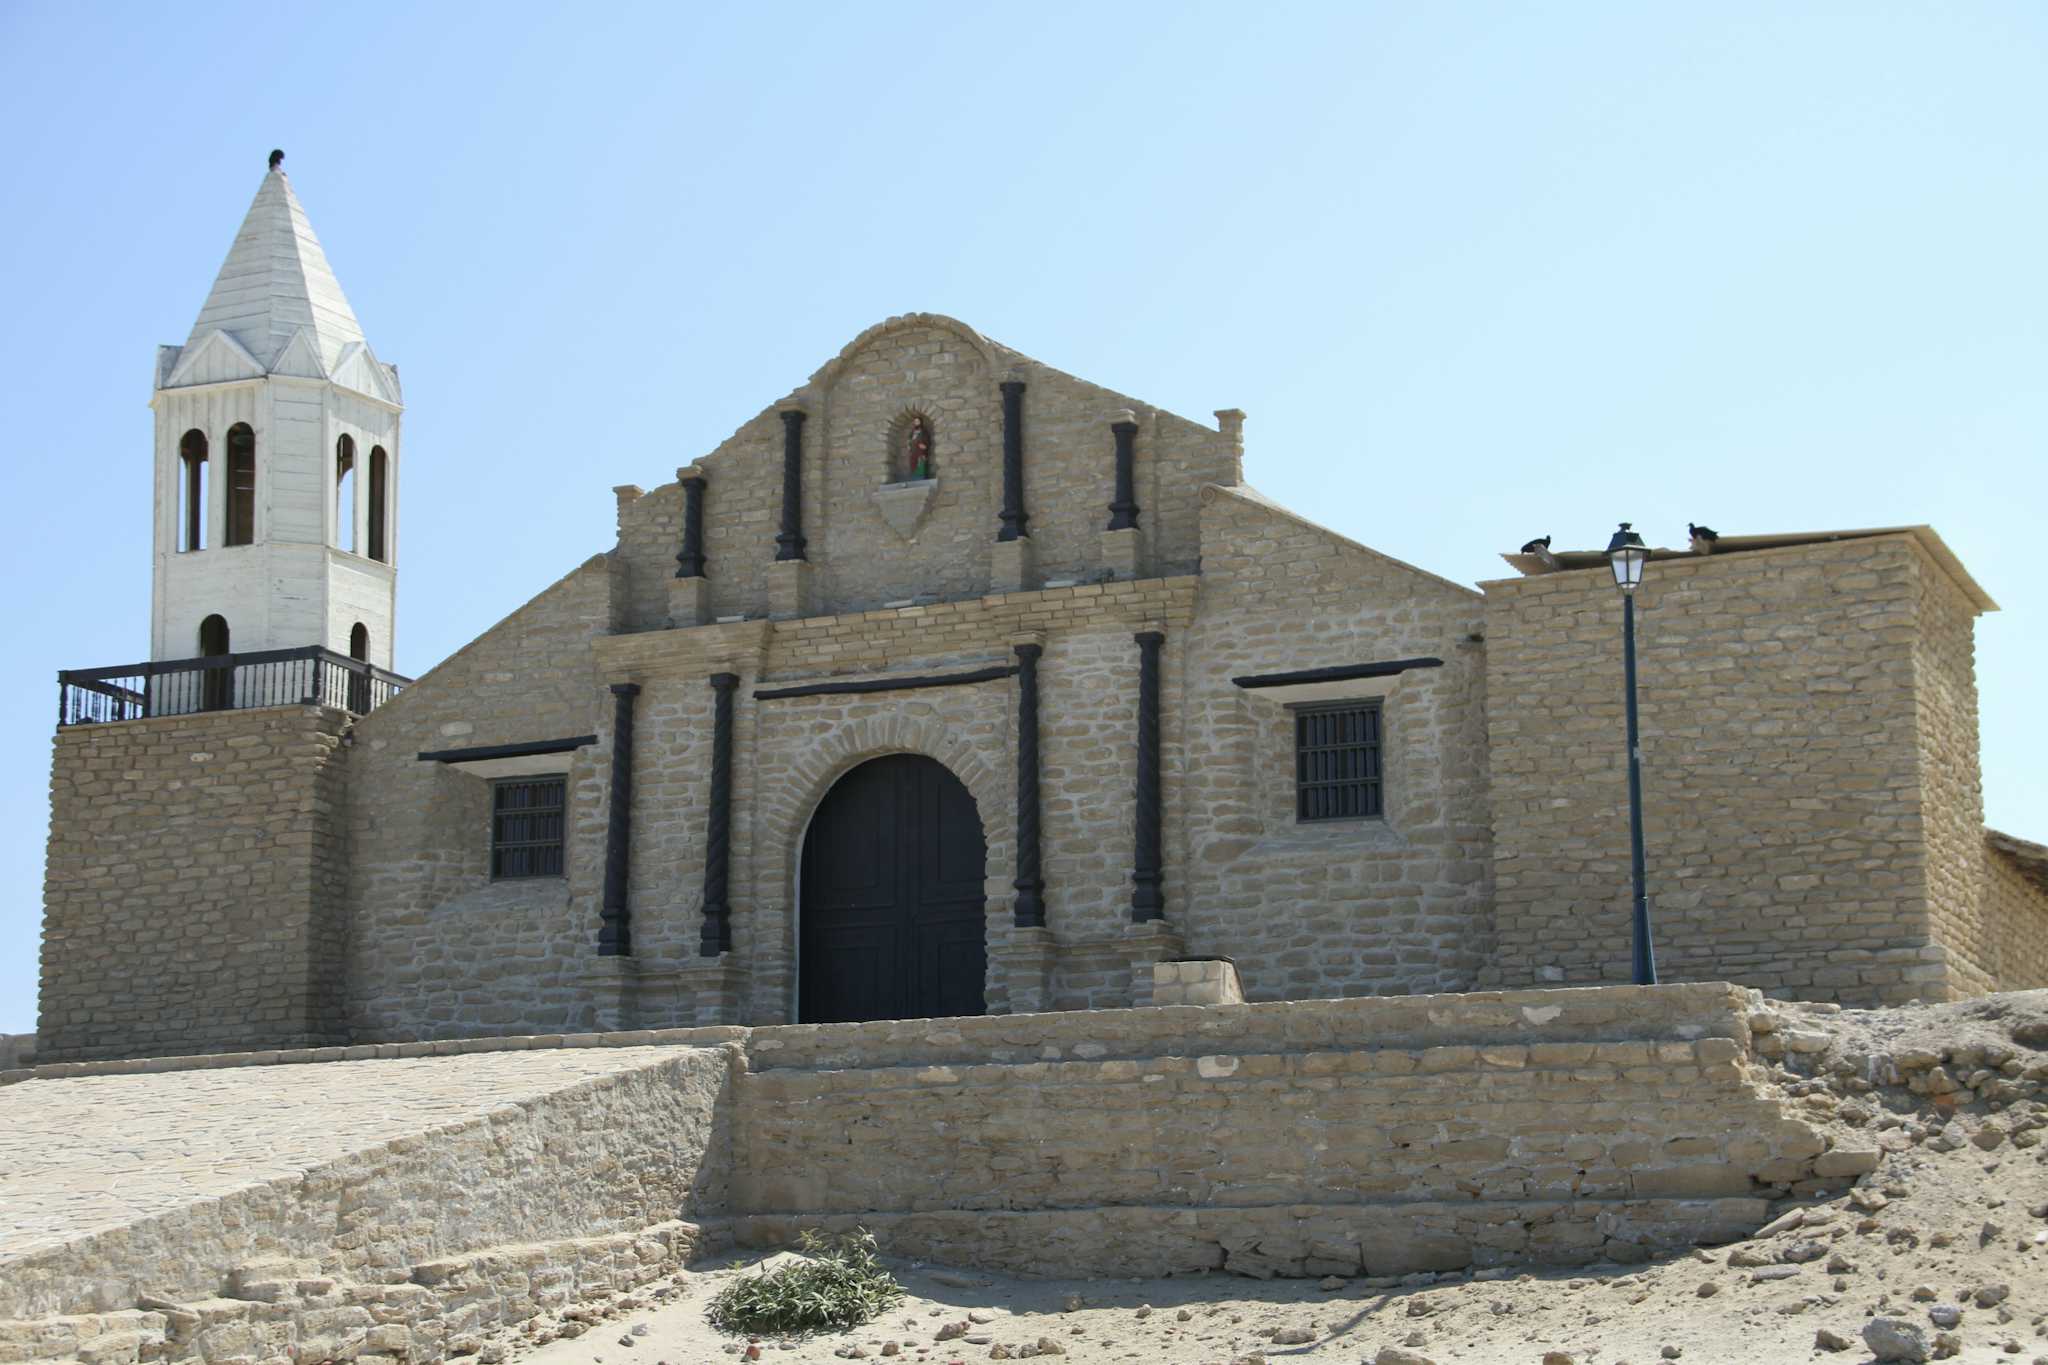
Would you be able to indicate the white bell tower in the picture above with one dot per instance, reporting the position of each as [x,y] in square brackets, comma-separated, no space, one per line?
[277,458]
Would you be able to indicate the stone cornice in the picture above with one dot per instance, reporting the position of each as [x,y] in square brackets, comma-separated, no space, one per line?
[688,651]
[743,645]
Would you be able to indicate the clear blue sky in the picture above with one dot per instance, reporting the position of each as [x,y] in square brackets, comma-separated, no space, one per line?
[1476,272]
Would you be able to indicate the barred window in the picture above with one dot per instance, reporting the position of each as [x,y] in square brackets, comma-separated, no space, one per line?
[1337,761]
[526,827]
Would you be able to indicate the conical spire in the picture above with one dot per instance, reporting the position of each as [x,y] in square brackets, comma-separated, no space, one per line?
[275,281]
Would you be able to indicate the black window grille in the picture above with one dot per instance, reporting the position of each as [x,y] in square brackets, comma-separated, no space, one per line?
[526,827]
[1337,762]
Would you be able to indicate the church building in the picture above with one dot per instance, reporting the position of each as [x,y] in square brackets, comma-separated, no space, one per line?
[952,684]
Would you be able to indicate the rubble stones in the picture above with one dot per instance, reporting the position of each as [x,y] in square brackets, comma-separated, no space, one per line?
[1895,1339]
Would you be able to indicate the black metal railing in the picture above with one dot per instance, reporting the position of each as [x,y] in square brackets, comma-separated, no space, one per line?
[223,682]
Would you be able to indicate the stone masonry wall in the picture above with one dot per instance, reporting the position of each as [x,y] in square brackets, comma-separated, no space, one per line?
[1395,905]
[437,948]
[789,751]
[1951,786]
[1785,753]
[1297,1138]
[433,1198]
[945,371]
[1302,1138]
[189,895]
[2016,916]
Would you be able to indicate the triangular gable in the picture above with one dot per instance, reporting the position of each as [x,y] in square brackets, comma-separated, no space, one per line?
[300,357]
[1247,496]
[358,368]
[216,359]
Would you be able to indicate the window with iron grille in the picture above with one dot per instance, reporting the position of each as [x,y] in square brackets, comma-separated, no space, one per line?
[1337,762]
[526,827]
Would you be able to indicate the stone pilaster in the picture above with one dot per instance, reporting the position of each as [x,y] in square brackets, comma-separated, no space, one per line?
[789,589]
[1013,566]
[1147,945]
[1024,966]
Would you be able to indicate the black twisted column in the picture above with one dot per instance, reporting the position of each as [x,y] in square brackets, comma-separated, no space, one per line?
[690,562]
[1030,903]
[789,541]
[1123,513]
[1014,518]
[615,931]
[717,935]
[1146,873]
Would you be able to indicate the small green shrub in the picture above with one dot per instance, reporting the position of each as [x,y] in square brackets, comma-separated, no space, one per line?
[839,1284]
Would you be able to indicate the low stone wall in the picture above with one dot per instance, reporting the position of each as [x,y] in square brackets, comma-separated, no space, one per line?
[1382,1135]
[1300,1138]
[284,1311]
[17,1050]
[642,1145]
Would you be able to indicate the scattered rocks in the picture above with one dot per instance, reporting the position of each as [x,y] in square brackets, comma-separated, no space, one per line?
[1945,1315]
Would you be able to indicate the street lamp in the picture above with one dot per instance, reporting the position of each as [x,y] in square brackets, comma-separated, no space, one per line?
[1626,555]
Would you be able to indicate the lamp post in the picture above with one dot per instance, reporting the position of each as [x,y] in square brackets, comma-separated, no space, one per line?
[1626,555]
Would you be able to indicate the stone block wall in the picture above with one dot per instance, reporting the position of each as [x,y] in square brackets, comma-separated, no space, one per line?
[1296,1138]
[1299,1138]
[1808,761]
[1951,792]
[946,372]
[190,896]
[17,1050]
[436,947]
[436,1198]
[1394,905]
[2016,916]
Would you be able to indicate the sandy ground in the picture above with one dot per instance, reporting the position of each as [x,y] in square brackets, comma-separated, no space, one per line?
[1953,1227]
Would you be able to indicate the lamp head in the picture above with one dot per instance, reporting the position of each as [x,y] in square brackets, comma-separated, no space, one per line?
[1626,555]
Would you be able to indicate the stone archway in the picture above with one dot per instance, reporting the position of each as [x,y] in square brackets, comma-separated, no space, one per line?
[893,897]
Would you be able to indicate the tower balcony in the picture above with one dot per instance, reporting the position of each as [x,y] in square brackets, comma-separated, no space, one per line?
[309,676]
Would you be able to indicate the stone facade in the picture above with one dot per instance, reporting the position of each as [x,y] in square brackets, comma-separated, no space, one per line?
[2016,908]
[193,893]
[1809,709]
[1812,810]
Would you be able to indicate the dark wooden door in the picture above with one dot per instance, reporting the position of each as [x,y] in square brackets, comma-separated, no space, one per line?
[892,897]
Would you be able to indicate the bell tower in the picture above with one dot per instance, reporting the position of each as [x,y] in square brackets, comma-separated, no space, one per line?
[277,458]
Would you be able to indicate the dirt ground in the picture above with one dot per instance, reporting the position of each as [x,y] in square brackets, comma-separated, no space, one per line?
[1949,1237]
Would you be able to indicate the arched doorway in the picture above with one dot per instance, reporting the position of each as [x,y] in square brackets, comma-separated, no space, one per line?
[892,897]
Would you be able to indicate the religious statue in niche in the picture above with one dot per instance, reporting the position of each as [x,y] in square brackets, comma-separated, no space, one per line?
[917,450]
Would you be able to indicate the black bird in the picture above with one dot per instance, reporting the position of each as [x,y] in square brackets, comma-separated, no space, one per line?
[275,158]
[1706,533]
[1536,546]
